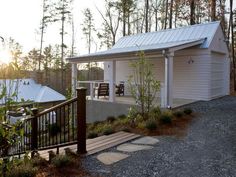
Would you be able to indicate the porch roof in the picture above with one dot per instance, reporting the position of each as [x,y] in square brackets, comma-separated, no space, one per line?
[131,52]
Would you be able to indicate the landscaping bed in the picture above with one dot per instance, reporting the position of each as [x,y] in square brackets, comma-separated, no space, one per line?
[60,166]
[158,122]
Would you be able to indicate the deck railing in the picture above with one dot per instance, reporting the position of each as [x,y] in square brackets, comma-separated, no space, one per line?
[91,86]
[61,125]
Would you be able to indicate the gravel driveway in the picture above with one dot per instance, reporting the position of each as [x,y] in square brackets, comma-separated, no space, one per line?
[208,150]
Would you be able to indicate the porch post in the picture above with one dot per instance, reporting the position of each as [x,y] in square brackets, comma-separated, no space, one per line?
[74,72]
[112,81]
[168,80]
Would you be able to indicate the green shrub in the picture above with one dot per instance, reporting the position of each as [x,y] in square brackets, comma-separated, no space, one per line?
[139,118]
[61,161]
[132,113]
[188,111]
[155,113]
[151,125]
[98,128]
[124,121]
[38,161]
[107,130]
[22,170]
[141,125]
[97,123]
[92,134]
[122,116]
[166,117]
[178,114]
[111,119]
[54,129]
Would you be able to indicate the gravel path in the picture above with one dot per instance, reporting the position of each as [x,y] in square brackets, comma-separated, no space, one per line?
[208,150]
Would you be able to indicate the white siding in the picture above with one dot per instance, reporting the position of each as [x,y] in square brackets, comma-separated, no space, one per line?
[191,77]
[198,74]
[218,43]
[227,76]
[219,76]
[190,80]
[124,71]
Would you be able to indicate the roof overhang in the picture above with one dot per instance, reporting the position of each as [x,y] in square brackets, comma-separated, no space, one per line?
[131,53]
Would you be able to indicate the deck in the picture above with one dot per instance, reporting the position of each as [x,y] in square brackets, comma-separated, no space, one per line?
[97,144]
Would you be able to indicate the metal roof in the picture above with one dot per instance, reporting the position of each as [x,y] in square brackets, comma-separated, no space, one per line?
[29,90]
[159,40]
[187,33]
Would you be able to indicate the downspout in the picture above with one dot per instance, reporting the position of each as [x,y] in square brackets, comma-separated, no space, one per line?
[166,96]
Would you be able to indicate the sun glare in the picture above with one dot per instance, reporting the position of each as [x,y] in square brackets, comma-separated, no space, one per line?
[5,57]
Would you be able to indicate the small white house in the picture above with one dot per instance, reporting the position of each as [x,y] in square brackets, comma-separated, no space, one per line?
[29,90]
[192,62]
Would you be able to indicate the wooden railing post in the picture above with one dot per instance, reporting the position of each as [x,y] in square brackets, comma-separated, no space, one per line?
[81,120]
[34,132]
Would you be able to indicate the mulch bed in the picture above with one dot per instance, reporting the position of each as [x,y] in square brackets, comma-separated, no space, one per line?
[72,170]
[178,127]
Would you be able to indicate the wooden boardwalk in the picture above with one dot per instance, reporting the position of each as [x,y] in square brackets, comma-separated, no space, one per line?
[97,144]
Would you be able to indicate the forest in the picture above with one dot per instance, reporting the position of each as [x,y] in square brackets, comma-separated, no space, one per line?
[119,18]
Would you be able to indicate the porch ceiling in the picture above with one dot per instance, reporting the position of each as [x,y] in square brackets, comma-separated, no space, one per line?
[129,53]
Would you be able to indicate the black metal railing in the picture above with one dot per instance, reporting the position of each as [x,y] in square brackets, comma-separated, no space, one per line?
[58,126]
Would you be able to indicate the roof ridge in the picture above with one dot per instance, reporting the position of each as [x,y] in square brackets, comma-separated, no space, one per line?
[172,29]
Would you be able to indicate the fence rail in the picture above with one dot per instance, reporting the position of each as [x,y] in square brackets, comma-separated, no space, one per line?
[61,125]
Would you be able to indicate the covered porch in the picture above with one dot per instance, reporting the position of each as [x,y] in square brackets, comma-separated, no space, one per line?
[126,98]
[163,52]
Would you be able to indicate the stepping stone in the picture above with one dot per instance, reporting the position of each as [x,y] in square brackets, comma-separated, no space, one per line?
[147,140]
[128,147]
[109,158]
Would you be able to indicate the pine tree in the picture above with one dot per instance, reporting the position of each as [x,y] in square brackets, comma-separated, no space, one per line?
[111,18]
[88,27]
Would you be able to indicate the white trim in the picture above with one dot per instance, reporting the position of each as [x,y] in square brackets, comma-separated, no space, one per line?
[74,73]
[112,81]
[131,55]
[168,102]
[187,45]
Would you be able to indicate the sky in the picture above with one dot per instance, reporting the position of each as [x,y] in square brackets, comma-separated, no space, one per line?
[20,19]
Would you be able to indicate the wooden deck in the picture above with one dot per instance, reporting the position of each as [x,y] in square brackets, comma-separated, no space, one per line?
[97,144]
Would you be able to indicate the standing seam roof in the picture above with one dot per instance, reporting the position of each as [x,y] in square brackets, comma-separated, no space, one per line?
[187,33]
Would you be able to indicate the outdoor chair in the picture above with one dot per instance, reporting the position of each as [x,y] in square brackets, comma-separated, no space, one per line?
[120,89]
[103,89]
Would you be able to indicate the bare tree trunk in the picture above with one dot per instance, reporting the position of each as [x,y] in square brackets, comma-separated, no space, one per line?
[124,17]
[176,12]
[222,15]
[156,20]
[62,44]
[42,35]
[146,15]
[170,17]
[128,21]
[192,12]
[213,10]
[232,41]
[72,38]
[166,15]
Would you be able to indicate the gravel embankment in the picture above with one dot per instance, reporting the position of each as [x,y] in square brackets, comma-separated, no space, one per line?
[208,150]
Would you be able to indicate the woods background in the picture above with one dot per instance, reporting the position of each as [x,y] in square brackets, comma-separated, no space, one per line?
[47,65]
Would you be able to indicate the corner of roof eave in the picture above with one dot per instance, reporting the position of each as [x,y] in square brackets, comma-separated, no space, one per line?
[200,42]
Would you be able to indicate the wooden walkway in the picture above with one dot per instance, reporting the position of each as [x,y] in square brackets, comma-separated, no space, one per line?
[97,144]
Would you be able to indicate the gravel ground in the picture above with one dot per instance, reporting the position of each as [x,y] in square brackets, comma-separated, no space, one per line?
[208,150]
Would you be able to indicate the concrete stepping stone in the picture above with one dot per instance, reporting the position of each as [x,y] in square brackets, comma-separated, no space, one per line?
[109,158]
[147,140]
[128,147]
